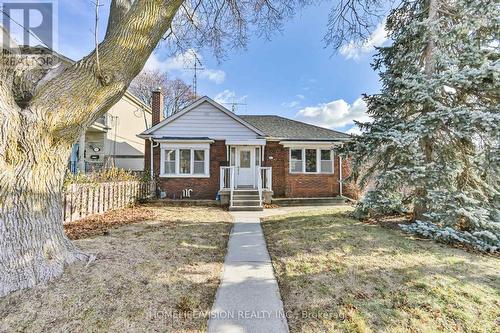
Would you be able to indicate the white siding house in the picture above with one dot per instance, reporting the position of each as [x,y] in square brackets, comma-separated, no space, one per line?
[205,120]
[112,140]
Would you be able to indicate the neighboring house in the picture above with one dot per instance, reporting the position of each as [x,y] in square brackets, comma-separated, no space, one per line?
[112,140]
[205,150]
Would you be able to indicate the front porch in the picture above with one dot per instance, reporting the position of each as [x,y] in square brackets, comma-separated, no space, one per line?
[245,197]
[89,153]
[245,184]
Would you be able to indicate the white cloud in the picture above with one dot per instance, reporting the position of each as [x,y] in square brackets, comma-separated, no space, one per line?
[354,50]
[181,62]
[335,114]
[293,103]
[214,75]
[290,105]
[228,96]
[355,130]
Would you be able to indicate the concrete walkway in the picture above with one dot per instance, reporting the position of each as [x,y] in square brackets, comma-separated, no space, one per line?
[248,298]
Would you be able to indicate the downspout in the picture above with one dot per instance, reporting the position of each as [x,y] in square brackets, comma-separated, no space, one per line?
[151,159]
[340,174]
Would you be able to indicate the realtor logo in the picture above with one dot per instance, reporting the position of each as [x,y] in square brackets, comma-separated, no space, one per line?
[28,23]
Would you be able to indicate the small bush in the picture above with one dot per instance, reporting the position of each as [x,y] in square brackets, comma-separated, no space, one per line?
[106,175]
[379,203]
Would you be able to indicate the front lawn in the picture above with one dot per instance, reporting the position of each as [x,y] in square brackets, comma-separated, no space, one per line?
[159,275]
[337,274]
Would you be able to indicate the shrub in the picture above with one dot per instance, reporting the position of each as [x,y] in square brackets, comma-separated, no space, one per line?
[106,175]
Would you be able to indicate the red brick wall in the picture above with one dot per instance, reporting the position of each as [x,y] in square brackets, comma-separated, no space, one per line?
[290,185]
[147,153]
[279,163]
[156,116]
[157,107]
[203,188]
[311,186]
[284,183]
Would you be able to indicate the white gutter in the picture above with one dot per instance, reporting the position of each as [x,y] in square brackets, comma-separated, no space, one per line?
[180,140]
[310,144]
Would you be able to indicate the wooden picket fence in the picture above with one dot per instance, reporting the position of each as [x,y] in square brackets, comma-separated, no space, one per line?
[81,200]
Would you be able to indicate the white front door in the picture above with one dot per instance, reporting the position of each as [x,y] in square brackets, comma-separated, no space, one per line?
[245,164]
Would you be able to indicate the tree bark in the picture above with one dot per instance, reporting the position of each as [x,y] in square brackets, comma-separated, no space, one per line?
[33,246]
[420,207]
[36,138]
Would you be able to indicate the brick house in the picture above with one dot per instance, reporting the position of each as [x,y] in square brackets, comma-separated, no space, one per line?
[206,151]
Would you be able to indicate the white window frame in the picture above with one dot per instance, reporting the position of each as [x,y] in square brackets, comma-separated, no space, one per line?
[177,147]
[331,160]
[318,161]
[290,160]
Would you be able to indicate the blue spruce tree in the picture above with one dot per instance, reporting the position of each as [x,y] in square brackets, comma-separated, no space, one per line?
[433,146]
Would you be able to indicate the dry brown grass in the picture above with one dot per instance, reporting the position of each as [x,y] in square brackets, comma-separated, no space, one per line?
[160,275]
[340,275]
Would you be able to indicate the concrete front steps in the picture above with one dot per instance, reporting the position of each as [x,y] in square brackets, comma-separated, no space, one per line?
[246,200]
[328,201]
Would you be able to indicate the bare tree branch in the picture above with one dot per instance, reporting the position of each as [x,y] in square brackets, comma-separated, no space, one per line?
[123,54]
[354,20]
[222,25]
[177,94]
[96,40]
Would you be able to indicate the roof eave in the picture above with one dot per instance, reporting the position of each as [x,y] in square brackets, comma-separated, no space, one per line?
[309,139]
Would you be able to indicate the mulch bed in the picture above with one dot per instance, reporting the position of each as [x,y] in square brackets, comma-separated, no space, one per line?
[271,206]
[97,225]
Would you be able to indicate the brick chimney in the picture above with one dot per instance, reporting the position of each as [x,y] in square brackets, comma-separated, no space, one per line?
[157,106]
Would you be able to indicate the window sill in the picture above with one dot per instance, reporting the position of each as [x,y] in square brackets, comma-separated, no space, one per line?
[183,176]
[311,173]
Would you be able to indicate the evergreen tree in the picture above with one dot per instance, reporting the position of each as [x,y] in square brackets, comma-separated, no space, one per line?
[436,121]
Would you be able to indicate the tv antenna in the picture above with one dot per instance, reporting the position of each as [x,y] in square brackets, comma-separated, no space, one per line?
[198,66]
[234,105]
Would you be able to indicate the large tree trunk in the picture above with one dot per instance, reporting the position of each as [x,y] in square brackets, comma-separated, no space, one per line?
[38,128]
[33,246]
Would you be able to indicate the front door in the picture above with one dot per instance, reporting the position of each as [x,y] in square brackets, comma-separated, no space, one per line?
[245,167]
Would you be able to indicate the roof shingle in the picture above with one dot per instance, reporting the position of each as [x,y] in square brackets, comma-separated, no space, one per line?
[288,129]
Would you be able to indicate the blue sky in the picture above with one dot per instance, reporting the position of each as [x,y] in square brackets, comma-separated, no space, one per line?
[292,75]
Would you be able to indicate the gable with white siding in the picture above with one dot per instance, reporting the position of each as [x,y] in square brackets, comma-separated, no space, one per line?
[205,120]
